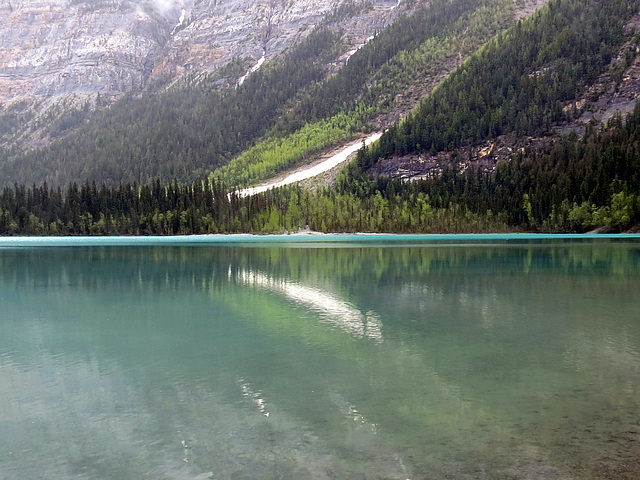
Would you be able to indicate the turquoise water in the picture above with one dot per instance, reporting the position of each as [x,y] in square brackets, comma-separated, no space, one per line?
[328,357]
[341,239]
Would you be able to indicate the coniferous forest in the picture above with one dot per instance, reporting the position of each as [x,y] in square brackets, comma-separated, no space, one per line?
[575,185]
[165,164]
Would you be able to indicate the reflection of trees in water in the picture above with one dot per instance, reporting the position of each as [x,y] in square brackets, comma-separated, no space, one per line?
[171,267]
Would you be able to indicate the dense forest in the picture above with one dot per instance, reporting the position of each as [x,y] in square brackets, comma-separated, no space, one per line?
[575,185]
[520,82]
[406,58]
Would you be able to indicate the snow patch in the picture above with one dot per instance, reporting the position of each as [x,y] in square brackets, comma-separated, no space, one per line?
[351,52]
[311,172]
[183,14]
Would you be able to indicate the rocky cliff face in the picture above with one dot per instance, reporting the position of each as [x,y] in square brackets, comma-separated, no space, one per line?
[64,49]
[61,56]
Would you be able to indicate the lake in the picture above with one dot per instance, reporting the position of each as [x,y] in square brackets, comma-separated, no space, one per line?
[355,357]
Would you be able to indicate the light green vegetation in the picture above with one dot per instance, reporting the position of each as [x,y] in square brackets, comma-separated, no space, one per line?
[273,155]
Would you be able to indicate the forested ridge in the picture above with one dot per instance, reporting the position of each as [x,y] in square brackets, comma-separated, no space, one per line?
[193,129]
[575,185]
[408,55]
[520,83]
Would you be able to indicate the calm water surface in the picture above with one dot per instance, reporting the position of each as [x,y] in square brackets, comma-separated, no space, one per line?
[372,360]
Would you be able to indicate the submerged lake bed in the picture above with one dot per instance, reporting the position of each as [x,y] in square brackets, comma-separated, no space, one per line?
[332,357]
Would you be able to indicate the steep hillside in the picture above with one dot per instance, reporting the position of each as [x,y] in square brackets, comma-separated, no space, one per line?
[573,69]
[85,47]
[52,50]
[61,60]
[191,128]
[175,133]
[519,84]
[379,85]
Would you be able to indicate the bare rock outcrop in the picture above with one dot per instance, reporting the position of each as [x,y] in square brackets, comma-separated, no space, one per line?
[67,47]
[81,48]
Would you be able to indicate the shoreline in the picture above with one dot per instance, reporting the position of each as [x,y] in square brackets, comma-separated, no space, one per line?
[303,237]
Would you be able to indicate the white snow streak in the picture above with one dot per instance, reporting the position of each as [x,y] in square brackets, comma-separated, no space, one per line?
[183,15]
[351,52]
[311,172]
[253,69]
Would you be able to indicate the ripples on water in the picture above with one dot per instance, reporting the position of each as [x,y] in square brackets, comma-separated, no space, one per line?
[319,361]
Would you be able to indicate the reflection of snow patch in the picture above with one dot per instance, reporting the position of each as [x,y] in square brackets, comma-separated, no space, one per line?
[350,411]
[335,310]
[358,417]
[256,397]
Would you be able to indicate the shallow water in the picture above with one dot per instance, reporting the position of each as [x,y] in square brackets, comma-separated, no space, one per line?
[488,358]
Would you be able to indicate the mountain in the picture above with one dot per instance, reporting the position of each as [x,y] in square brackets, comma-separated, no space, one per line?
[195,126]
[474,98]
[66,55]
[576,66]
[61,48]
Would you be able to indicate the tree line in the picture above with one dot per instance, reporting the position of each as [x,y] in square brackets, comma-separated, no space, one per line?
[574,185]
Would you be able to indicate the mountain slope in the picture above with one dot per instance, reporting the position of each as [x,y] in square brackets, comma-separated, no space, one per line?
[575,64]
[58,48]
[60,60]
[381,82]
[569,184]
[191,129]
[128,142]
[518,83]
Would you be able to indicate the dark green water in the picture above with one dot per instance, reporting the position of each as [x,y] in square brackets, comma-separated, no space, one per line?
[374,360]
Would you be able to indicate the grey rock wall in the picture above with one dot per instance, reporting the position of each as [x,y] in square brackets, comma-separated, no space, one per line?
[63,49]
